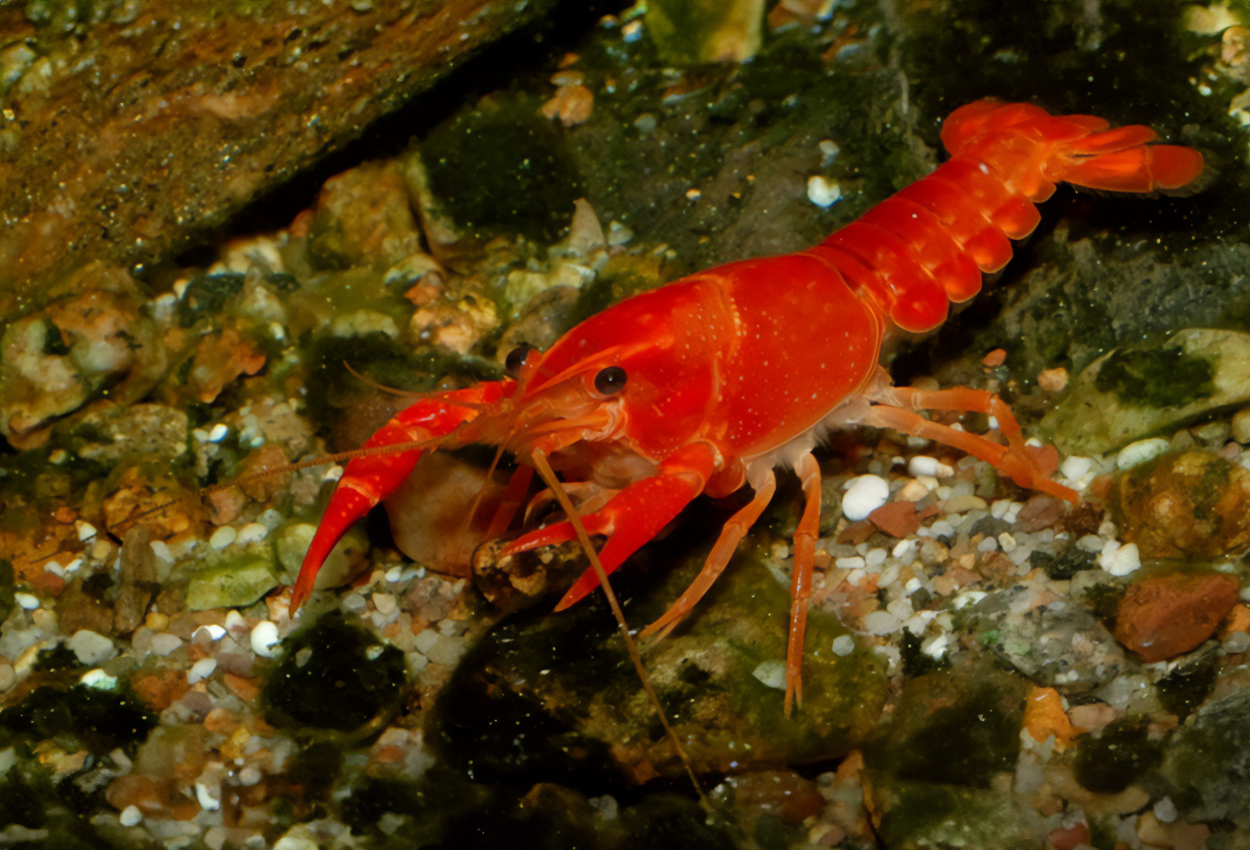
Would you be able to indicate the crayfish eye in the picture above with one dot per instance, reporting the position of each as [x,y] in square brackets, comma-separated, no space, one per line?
[516,359]
[611,380]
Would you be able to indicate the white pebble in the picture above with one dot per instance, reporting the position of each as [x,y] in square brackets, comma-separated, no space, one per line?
[935,647]
[1075,467]
[201,669]
[875,557]
[1122,560]
[771,673]
[130,816]
[265,638]
[822,192]
[903,548]
[161,549]
[1165,810]
[922,465]
[989,544]
[223,537]
[85,530]
[27,601]
[843,645]
[853,562]
[384,602]
[98,679]
[55,568]
[880,623]
[1007,542]
[205,796]
[253,532]
[214,631]
[90,647]
[865,495]
[218,433]
[425,640]
[1140,452]
[165,643]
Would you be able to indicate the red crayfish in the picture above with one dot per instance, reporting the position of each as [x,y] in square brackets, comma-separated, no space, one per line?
[713,381]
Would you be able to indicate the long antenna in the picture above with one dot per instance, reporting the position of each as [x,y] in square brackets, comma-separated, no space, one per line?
[544,469]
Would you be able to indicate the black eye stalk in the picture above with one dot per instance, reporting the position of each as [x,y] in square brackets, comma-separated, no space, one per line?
[611,380]
[516,359]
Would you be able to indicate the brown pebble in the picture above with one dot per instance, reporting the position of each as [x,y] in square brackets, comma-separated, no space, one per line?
[997,357]
[897,519]
[1165,615]
[857,532]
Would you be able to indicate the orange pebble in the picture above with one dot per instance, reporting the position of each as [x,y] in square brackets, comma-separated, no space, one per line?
[997,357]
[1044,716]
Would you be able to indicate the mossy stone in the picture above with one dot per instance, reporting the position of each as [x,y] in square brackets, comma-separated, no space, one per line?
[334,677]
[235,584]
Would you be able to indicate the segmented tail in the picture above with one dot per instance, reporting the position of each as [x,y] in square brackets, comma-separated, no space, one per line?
[929,244]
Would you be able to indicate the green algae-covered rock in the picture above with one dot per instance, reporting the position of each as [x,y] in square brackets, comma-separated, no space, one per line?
[692,32]
[1132,393]
[234,584]
[934,773]
[556,694]
[334,678]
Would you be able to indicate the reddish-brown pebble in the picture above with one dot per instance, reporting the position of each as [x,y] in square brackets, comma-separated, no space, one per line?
[897,519]
[1066,839]
[1163,616]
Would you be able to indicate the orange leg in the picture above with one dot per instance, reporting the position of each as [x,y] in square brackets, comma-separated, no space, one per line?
[801,579]
[717,560]
[1014,459]
[633,516]
[372,477]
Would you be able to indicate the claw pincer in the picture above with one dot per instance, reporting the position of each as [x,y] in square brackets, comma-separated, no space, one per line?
[712,382]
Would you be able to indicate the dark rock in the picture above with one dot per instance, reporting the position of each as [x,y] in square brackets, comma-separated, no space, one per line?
[555,695]
[1207,762]
[334,679]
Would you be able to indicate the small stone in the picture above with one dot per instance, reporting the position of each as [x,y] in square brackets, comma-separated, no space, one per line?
[1241,426]
[823,193]
[1120,560]
[165,643]
[771,673]
[963,504]
[130,816]
[223,537]
[897,519]
[201,669]
[89,647]
[1074,467]
[865,494]
[264,638]
[425,640]
[1053,380]
[880,623]
[1139,452]
[843,645]
[1164,616]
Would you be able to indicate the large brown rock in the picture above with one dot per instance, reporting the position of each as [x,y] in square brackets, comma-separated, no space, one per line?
[131,132]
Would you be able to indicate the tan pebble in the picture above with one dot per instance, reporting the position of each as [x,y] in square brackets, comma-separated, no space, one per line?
[1241,426]
[1053,380]
[997,357]
[156,621]
[572,105]
[1091,717]
[962,504]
